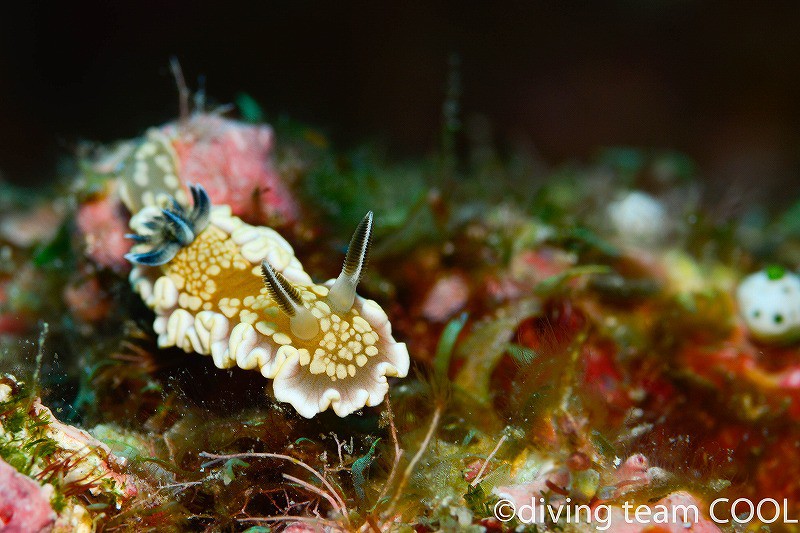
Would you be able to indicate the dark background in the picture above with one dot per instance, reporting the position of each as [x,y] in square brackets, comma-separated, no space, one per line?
[719,81]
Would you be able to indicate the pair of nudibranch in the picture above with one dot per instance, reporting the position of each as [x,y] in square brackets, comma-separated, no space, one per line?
[237,292]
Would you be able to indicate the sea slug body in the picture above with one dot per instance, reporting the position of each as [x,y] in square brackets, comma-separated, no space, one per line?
[769,302]
[236,292]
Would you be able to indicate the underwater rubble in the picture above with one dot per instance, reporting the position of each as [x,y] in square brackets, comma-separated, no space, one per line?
[583,337]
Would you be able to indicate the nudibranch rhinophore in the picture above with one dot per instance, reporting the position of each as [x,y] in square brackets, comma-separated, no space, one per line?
[224,288]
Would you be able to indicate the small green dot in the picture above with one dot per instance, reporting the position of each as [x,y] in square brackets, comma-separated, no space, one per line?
[775,272]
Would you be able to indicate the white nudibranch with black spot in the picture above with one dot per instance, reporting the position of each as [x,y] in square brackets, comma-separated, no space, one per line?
[236,292]
[769,302]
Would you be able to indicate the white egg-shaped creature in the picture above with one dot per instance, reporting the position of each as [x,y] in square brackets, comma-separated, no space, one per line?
[638,218]
[769,302]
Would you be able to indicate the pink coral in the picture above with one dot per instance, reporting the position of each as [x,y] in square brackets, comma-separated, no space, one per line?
[447,297]
[649,522]
[95,463]
[633,474]
[24,504]
[103,224]
[544,483]
[87,300]
[232,160]
[39,224]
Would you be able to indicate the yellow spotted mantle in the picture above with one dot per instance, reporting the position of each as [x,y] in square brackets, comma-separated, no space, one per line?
[211,299]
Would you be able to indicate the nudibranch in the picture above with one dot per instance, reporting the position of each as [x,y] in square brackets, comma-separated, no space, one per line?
[236,292]
[769,302]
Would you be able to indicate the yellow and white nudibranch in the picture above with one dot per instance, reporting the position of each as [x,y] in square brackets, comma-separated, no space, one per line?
[224,288]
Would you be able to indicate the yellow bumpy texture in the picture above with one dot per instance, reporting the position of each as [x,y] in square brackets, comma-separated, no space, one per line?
[211,299]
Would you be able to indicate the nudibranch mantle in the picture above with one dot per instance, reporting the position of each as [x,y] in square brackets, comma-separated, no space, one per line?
[211,299]
[211,296]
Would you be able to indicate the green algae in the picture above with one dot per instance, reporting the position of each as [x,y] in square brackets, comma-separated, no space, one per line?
[161,409]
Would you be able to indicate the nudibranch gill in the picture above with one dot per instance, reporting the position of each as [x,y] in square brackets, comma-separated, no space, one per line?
[236,292]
